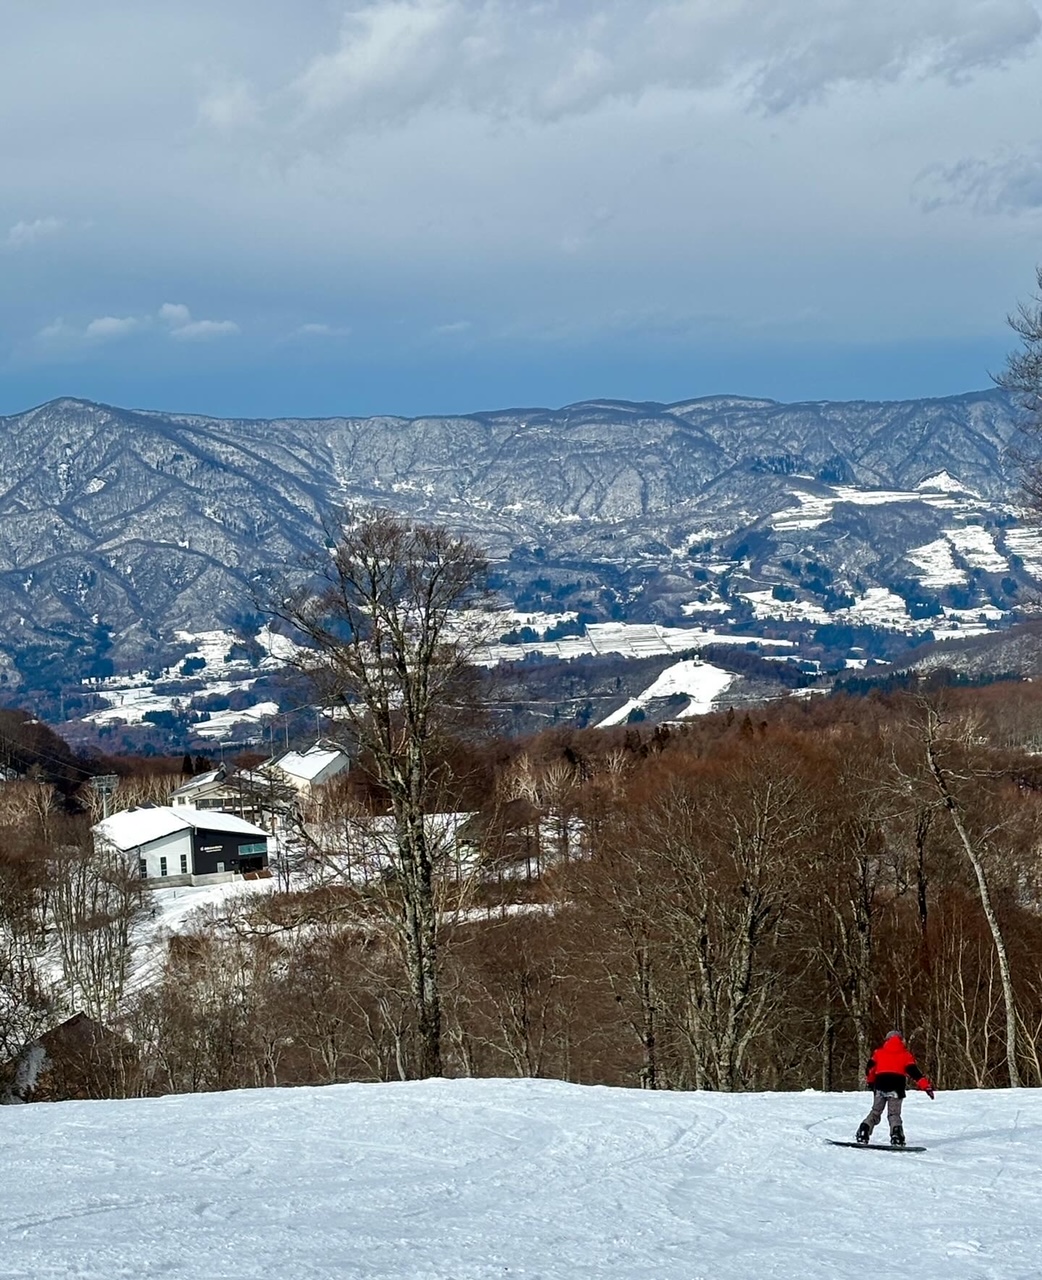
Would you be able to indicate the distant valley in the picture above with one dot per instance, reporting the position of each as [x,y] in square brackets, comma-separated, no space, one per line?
[818,524]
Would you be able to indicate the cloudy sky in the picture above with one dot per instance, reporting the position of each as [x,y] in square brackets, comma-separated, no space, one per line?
[267,207]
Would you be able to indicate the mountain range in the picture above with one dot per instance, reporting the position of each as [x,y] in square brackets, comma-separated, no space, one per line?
[120,527]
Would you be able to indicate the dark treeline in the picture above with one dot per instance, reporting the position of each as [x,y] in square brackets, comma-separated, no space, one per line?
[742,903]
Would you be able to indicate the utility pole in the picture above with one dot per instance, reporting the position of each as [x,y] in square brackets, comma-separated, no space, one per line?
[104,784]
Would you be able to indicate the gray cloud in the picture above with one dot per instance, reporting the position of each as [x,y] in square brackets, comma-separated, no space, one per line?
[1009,183]
[534,166]
[395,58]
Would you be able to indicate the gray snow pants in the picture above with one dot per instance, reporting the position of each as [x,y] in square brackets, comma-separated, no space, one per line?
[893,1110]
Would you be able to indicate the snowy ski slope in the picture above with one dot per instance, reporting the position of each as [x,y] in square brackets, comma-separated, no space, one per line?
[461,1180]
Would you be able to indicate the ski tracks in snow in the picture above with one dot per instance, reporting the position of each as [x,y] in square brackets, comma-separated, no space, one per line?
[516,1179]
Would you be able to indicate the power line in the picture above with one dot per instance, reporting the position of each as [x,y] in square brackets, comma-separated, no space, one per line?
[14,747]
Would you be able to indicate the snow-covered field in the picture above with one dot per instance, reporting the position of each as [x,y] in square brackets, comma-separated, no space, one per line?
[699,681]
[469,1180]
[628,639]
[128,699]
[816,500]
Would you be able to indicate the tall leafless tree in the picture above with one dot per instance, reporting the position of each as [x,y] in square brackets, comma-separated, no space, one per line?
[384,642]
[938,742]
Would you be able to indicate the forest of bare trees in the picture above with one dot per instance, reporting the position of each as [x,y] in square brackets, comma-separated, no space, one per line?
[733,904]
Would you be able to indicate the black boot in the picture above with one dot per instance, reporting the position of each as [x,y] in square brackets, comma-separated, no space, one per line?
[863,1134]
[897,1136]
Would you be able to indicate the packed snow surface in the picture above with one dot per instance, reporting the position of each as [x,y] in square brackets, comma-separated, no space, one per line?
[469,1180]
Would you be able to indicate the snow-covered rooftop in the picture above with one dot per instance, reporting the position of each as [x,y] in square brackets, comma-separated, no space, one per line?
[200,782]
[215,820]
[307,765]
[130,828]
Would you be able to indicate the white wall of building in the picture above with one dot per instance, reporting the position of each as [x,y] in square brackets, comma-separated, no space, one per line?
[172,848]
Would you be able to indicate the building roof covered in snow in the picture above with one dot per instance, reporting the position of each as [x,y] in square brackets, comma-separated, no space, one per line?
[131,828]
[201,782]
[317,764]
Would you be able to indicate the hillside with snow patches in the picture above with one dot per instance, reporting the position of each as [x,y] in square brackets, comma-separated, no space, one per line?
[695,684]
[475,1179]
[121,529]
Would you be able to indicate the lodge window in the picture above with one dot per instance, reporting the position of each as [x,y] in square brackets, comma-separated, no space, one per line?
[184,864]
[142,868]
[245,850]
[162,866]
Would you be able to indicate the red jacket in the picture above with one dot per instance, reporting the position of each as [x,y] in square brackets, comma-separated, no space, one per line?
[890,1065]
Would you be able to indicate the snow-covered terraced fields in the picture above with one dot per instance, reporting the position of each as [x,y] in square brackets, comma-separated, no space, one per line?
[629,640]
[816,502]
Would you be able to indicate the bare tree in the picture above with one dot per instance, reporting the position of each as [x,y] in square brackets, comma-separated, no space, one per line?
[28,1003]
[619,886]
[551,786]
[516,1006]
[724,842]
[384,642]
[130,793]
[945,774]
[1022,377]
[96,900]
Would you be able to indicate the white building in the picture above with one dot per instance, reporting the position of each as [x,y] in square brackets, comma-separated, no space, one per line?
[185,845]
[305,770]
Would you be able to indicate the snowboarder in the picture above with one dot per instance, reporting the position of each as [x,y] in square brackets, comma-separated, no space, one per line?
[887,1070]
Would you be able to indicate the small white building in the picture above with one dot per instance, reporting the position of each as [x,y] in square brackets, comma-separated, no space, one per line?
[305,770]
[203,790]
[225,792]
[185,845]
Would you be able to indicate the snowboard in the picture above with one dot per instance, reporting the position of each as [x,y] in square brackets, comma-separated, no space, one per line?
[871,1146]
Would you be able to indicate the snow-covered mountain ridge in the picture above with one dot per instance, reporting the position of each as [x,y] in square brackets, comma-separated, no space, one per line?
[119,527]
[474,1179]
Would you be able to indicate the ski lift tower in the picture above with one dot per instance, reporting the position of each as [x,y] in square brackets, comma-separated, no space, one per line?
[104,784]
